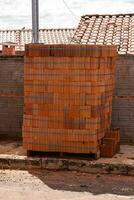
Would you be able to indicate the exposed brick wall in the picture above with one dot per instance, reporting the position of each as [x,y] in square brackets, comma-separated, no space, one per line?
[123,104]
[11,95]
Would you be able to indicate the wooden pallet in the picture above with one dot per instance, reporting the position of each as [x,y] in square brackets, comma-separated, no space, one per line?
[80,156]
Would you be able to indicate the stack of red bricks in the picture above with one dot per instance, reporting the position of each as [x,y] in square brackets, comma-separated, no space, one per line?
[68,92]
[110,143]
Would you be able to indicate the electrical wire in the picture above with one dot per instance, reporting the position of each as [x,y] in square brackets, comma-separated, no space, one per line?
[72,13]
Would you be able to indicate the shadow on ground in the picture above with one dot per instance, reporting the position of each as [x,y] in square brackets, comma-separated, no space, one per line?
[80,182]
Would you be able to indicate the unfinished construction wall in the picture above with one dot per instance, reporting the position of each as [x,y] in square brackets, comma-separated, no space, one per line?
[11,105]
[11,95]
[123,105]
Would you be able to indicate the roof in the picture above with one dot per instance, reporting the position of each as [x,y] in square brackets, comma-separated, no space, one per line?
[8,43]
[107,29]
[47,36]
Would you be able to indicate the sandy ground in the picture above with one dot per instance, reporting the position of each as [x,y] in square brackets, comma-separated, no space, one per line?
[10,147]
[44,185]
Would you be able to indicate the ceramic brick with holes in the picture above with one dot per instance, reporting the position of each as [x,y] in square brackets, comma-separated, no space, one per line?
[76,87]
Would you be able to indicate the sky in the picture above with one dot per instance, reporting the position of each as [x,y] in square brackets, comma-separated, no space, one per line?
[54,14]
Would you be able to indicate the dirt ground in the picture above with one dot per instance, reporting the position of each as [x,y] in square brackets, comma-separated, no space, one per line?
[64,185]
[11,147]
[46,185]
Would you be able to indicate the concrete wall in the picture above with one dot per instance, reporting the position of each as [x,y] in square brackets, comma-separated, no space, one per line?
[11,95]
[123,104]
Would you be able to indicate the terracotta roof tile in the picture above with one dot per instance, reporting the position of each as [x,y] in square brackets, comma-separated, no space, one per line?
[47,36]
[107,29]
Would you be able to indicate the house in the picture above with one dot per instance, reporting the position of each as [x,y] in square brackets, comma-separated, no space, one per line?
[115,30]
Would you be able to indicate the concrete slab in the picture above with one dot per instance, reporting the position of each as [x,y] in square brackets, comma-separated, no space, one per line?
[13,156]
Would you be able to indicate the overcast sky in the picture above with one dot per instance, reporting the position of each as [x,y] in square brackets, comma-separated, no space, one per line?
[54,13]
